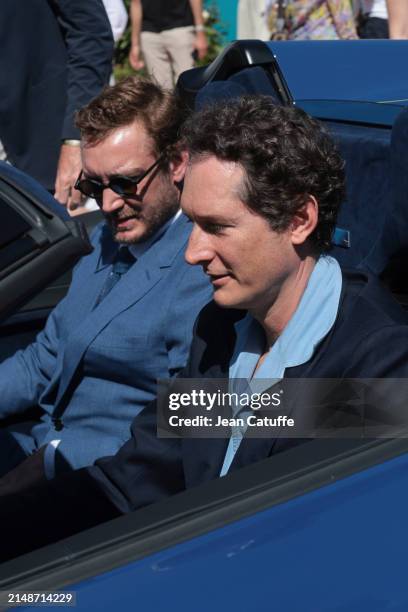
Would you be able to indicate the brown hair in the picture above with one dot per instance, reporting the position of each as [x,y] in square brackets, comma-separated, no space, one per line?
[134,98]
[286,155]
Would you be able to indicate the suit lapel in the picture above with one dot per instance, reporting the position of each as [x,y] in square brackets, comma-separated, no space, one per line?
[254,449]
[134,285]
[203,457]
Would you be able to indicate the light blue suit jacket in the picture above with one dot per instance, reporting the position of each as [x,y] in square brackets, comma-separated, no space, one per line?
[92,371]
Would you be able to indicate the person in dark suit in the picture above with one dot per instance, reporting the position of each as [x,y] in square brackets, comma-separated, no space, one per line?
[96,363]
[56,56]
[262,188]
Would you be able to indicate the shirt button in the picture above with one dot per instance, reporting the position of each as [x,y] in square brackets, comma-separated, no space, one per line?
[58,424]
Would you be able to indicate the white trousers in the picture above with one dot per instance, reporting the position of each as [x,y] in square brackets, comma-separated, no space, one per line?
[251,21]
[168,53]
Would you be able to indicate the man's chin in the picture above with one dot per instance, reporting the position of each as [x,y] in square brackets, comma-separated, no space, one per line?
[130,236]
[121,238]
[223,299]
[226,299]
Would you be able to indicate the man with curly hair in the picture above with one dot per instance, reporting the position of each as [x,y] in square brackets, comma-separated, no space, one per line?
[262,187]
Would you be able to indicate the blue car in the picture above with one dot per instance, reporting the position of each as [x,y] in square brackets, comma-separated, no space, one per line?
[322,526]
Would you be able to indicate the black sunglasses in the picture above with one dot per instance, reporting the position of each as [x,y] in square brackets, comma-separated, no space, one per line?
[122,185]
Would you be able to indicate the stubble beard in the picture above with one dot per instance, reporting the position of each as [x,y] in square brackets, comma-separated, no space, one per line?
[156,217]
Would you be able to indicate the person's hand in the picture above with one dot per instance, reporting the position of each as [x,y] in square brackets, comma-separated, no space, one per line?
[135,59]
[69,167]
[201,45]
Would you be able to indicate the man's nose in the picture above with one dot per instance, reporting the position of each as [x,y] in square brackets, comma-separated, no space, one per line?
[199,248]
[111,201]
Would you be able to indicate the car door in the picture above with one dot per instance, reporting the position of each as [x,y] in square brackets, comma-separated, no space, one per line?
[38,243]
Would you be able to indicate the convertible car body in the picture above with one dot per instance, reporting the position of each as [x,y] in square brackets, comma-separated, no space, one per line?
[320,527]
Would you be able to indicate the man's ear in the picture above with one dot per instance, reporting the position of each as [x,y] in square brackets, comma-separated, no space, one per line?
[304,221]
[178,166]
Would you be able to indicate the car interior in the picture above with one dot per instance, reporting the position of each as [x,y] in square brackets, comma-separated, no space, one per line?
[370,235]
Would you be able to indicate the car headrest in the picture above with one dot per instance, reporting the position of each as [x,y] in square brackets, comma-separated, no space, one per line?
[247,81]
[256,80]
[216,92]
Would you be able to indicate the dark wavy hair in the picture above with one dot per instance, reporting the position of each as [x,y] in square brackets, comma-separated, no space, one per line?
[134,98]
[286,156]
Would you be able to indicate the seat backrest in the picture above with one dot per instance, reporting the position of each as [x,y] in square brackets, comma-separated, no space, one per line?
[376,210]
[247,81]
[361,219]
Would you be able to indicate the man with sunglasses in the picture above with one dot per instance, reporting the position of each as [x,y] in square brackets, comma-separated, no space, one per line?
[128,316]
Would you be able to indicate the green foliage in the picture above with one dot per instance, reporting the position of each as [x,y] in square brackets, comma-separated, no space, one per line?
[215,35]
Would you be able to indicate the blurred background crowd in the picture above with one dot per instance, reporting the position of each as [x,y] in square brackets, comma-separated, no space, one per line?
[227,20]
[52,70]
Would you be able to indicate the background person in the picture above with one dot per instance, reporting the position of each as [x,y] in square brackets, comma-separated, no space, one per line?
[383,19]
[118,17]
[168,33]
[397,19]
[313,19]
[251,20]
[47,73]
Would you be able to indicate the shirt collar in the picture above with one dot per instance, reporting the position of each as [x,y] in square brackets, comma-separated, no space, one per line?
[139,248]
[311,322]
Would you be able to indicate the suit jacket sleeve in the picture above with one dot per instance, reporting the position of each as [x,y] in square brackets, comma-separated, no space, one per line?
[25,375]
[381,354]
[89,42]
[382,361]
[146,469]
